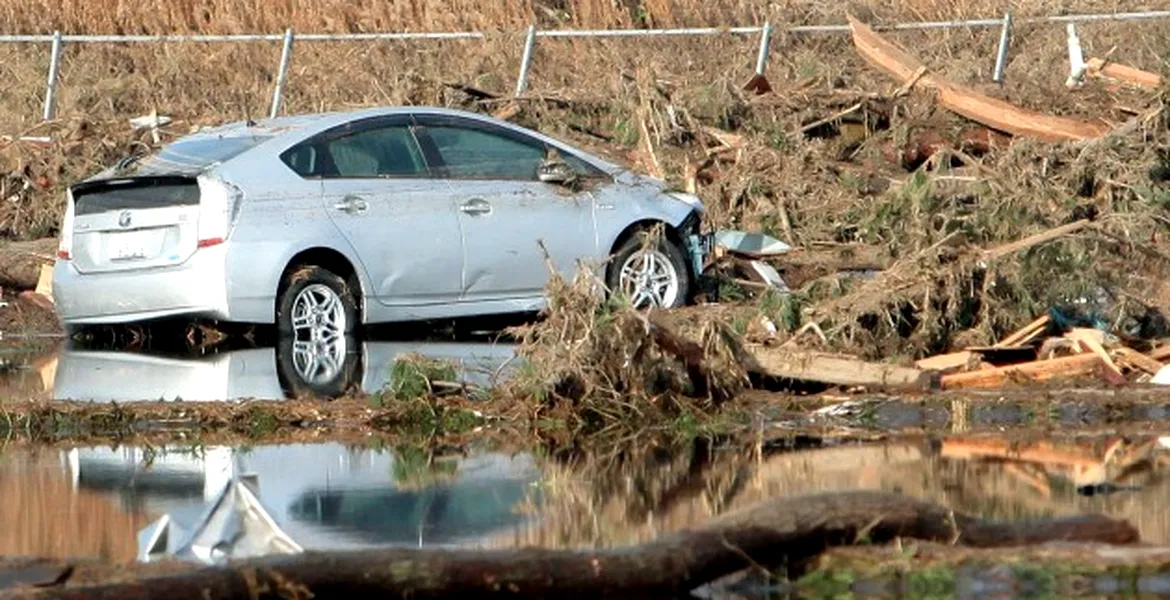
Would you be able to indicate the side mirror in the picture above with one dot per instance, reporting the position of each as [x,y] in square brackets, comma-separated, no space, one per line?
[555,171]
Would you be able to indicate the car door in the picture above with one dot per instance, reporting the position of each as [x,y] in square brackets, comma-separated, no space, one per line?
[505,212]
[379,192]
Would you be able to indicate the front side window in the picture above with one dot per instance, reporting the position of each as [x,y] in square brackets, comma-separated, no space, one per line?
[471,152]
[372,153]
[476,154]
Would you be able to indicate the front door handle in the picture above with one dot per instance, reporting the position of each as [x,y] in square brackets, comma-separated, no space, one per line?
[352,204]
[476,206]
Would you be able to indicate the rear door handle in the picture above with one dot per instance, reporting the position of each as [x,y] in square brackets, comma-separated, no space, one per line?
[352,204]
[476,206]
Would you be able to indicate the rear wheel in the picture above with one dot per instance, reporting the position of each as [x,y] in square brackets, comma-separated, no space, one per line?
[317,306]
[651,274]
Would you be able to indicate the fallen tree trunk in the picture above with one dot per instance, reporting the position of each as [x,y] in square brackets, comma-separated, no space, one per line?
[21,262]
[792,529]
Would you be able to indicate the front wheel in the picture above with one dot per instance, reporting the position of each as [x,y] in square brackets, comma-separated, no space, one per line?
[316,306]
[650,274]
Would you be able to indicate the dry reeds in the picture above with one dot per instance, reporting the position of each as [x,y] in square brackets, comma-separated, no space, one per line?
[609,363]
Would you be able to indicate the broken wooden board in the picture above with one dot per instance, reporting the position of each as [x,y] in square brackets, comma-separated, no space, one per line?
[1079,365]
[1161,353]
[1123,73]
[1136,360]
[1091,340]
[945,363]
[833,369]
[1026,334]
[993,112]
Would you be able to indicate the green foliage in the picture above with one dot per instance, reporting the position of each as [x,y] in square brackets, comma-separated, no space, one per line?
[411,377]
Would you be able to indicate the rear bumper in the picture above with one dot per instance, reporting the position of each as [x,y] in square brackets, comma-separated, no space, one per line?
[197,288]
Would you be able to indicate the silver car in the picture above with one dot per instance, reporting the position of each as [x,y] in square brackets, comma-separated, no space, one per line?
[318,223]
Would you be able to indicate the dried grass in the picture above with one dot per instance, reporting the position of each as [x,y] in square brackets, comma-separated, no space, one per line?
[594,358]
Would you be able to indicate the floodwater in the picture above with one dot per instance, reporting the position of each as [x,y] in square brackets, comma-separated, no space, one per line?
[113,501]
[75,371]
[103,501]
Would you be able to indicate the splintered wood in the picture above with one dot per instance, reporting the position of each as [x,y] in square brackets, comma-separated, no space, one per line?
[1076,354]
[910,73]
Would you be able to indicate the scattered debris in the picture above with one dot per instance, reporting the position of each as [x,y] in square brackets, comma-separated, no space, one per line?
[234,525]
[1078,352]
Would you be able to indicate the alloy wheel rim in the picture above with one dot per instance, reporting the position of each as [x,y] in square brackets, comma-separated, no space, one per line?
[648,278]
[318,363]
[319,323]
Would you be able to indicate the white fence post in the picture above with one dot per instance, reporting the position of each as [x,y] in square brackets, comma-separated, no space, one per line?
[282,74]
[526,60]
[54,75]
[765,48]
[1005,37]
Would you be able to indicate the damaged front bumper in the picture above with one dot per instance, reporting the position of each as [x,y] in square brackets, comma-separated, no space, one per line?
[751,249]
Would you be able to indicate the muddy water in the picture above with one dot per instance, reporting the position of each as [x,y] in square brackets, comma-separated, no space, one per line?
[92,501]
[993,459]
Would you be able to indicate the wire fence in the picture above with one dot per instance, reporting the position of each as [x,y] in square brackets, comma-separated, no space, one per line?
[765,33]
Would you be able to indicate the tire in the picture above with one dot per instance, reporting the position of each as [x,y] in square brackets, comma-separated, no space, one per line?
[312,284]
[322,372]
[668,259]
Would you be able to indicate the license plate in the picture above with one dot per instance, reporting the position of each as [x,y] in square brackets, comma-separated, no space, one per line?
[132,245]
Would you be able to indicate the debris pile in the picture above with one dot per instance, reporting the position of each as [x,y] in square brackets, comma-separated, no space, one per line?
[1045,351]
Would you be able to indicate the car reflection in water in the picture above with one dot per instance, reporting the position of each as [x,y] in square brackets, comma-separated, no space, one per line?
[322,495]
[291,369]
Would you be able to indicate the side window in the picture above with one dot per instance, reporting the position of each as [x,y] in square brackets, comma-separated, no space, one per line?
[383,152]
[476,154]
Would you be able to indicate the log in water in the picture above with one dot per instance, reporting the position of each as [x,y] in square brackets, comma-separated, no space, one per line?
[773,532]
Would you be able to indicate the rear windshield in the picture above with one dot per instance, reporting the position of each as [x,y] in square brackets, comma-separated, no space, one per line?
[193,155]
[136,195]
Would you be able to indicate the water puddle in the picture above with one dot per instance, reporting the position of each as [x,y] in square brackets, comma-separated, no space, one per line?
[285,370]
[98,500]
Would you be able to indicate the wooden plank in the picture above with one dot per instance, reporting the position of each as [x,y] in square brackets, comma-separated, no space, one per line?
[833,369]
[1035,240]
[993,112]
[1123,73]
[1160,354]
[1090,340]
[1136,360]
[1004,116]
[946,362]
[1038,371]
[1027,333]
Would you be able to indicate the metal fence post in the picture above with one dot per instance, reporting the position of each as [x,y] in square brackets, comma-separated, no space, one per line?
[1005,37]
[54,75]
[282,74]
[765,48]
[526,60]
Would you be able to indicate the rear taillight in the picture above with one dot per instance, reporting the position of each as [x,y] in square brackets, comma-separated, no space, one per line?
[219,202]
[65,241]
